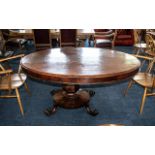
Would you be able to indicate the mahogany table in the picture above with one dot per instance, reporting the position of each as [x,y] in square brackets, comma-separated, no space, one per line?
[73,67]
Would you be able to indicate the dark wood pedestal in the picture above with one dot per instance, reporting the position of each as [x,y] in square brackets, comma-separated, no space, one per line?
[71,97]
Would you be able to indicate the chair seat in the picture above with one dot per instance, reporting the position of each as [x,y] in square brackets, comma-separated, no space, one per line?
[99,41]
[16,81]
[144,79]
[140,45]
[103,41]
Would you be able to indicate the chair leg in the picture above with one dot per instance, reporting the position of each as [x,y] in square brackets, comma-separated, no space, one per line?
[27,88]
[94,43]
[137,51]
[19,101]
[20,46]
[143,100]
[129,86]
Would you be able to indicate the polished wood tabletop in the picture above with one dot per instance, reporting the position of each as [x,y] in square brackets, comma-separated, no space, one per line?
[80,65]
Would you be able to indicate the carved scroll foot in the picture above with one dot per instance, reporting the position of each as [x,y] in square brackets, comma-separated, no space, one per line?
[50,111]
[90,111]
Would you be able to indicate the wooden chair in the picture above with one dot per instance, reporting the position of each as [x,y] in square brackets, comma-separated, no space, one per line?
[68,37]
[42,39]
[138,45]
[149,50]
[105,39]
[11,81]
[13,42]
[145,79]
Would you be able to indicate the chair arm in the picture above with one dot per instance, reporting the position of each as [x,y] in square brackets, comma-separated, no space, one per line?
[6,71]
[143,57]
[13,57]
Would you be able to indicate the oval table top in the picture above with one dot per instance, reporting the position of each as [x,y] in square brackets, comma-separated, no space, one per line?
[71,65]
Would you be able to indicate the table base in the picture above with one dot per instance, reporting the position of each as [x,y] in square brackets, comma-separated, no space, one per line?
[71,97]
